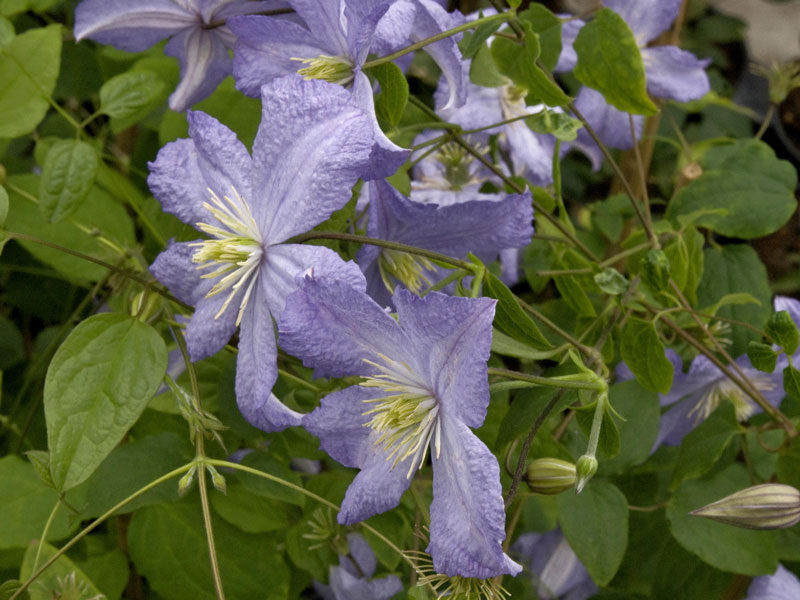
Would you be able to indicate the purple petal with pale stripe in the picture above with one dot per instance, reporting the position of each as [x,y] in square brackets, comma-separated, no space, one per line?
[675,74]
[131,26]
[204,62]
[265,49]
[556,570]
[312,146]
[325,19]
[467,513]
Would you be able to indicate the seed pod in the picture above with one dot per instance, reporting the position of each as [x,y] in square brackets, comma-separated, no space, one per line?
[550,476]
[765,506]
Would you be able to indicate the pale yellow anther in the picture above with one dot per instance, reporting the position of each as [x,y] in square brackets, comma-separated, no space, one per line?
[408,269]
[335,69]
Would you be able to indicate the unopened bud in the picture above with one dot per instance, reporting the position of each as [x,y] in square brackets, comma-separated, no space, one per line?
[550,476]
[586,467]
[186,481]
[765,506]
[217,479]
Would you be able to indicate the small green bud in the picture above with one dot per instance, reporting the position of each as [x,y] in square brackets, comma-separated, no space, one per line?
[550,476]
[783,330]
[586,467]
[186,481]
[765,506]
[217,479]
[655,269]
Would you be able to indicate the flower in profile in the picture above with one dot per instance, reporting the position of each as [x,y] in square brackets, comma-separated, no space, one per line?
[671,73]
[353,577]
[781,585]
[199,37]
[312,145]
[334,47]
[425,384]
[483,227]
[554,567]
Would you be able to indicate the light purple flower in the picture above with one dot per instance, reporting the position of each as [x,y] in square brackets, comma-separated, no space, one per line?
[334,47]
[312,145]
[483,227]
[556,570]
[670,72]
[353,577]
[425,385]
[199,38]
[781,585]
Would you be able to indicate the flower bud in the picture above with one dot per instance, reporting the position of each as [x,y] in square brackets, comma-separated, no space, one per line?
[765,506]
[586,468]
[217,479]
[550,476]
[186,481]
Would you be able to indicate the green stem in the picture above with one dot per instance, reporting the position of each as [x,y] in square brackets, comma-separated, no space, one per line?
[89,528]
[43,539]
[597,421]
[559,382]
[433,39]
[766,122]
[298,380]
[212,549]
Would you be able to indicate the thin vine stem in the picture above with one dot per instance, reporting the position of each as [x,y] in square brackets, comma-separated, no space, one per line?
[546,381]
[43,538]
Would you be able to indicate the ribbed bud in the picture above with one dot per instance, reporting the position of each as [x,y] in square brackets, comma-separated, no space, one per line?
[217,479]
[586,467]
[550,476]
[765,506]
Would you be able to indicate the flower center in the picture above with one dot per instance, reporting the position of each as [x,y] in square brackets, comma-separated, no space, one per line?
[456,165]
[336,69]
[409,269]
[234,251]
[407,419]
[727,389]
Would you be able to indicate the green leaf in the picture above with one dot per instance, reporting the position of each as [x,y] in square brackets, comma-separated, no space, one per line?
[10,588]
[561,125]
[703,446]
[128,468]
[483,70]
[41,464]
[12,344]
[573,288]
[788,467]
[508,346]
[528,404]
[727,548]
[67,177]
[610,62]
[611,281]
[58,578]
[791,383]
[251,512]
[177,566]
[25,505]
[474,41]
[644,354]
[518,62]
[29,67]
[270,489]
[595,523]
[694,242]
[762,356]
[548,26]
[783,330]
[128,97]
[3,205]
[510,317]
[735,175]
[6,32]
[638,428]
[391,102]
[98,213]
[656,269]
[97,385]
[736,269]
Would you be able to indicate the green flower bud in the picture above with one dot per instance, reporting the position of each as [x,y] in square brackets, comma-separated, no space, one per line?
[586,468]
[186,481]
[217,479]
[765,506]
[550,476]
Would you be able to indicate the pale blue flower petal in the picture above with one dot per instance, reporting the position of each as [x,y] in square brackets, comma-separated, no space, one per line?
[312,146]
[177,180]
[467,513]
[554,567]
[675,74]
[174,268]
[569,31]
[646,18]
[346,586]
[207,333]
[325,20]
[131,26]
[531,153]
[204,64]
[781,585]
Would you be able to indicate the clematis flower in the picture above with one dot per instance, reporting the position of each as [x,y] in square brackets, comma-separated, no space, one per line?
[781,585]
[671,72]
[556,570]
[353,577]
[199,37]
[312,145]
[484,227]
[425,385]
[335,46]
